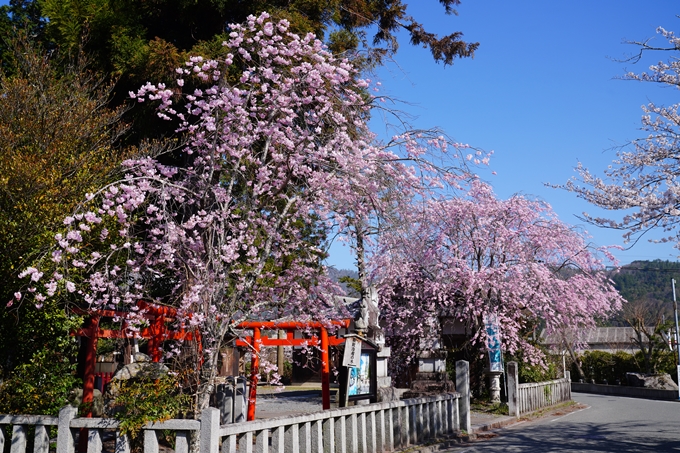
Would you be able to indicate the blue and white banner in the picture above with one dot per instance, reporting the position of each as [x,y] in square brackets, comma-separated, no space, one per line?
[493,342]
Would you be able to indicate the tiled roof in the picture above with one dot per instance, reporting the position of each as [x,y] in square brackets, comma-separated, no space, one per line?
[598,335]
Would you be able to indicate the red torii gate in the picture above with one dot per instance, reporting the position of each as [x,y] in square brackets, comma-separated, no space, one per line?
[255,341]
[158,332]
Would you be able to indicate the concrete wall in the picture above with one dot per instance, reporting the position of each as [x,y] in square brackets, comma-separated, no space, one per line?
[620,390]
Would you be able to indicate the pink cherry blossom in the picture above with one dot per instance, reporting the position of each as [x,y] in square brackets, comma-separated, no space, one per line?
[277,161]
[642,182]
[466,257]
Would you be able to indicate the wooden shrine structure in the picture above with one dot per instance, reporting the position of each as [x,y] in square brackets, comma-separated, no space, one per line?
[159,332]
[323,341]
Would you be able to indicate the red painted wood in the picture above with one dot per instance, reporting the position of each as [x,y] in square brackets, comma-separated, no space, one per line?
[90,337]
[313,341]
[325,370]
[254,373]
[295,325]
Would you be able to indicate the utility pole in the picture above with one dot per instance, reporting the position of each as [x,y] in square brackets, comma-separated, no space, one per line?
[677,336]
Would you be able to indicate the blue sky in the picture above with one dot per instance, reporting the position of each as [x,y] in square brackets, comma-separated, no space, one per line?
[541,92]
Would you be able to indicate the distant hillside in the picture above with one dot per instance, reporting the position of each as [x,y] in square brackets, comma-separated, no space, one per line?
[643,282]
[648,283]
[336,274]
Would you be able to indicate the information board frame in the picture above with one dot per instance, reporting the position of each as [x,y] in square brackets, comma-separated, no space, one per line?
[360,383]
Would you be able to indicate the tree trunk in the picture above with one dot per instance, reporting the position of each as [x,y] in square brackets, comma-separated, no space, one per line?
[581,375]
[280,354]
[207,371]
[361,261]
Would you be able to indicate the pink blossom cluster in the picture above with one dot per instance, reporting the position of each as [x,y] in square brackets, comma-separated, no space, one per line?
[642,182]
[276,159]
[470,256]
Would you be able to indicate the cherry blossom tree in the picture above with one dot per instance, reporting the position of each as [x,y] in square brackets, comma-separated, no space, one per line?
[415,165]
[278,153]
[476,255]
[643,179]
[234,233]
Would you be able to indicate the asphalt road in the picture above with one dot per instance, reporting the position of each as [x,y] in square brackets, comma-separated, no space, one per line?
[606,424]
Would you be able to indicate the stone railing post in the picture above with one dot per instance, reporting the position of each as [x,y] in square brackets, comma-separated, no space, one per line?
[224,401]
[210,431]
[513,389]
[463,387]
[65,440]
[240,401]
[568,386]
[230,399]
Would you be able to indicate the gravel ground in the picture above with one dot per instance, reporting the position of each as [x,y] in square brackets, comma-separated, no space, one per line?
[278,405]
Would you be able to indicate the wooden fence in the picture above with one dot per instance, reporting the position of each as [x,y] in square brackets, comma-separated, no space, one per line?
[525,398]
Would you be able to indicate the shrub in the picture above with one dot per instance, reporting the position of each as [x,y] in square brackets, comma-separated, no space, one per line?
[37,355]
[549,370]
[148,398]
[663,361]
[601,366]
[42,386]
[287,373]
[538,373]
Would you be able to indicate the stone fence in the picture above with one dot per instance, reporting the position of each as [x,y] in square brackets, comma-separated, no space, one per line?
[525,398]
[379,427]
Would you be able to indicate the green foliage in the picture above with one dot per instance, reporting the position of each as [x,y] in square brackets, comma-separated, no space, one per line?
[490,408]
[353,285]
[26,331]
[286,373]
[538,373]
[601,366]
[648,282]
[106,346]
[663,361]
[135,42]
[20,15]
[36,354]
[41,386]
[58,141]
[527,372]
[148,398]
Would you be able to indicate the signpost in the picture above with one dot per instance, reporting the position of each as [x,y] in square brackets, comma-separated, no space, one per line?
[677,335]
[358,372]
[352,356]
